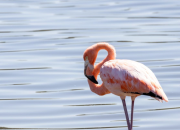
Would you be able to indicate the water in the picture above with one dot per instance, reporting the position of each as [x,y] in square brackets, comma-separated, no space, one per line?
[42,84]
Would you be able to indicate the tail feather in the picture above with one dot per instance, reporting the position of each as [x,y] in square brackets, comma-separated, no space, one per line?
[161,93]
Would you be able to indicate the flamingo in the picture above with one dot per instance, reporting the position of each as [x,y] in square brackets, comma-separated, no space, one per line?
[120,77]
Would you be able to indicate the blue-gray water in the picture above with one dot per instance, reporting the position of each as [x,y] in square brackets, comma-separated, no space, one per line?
[42,84]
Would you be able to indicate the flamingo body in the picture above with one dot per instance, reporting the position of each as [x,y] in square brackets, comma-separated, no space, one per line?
[120,77]
[130,78]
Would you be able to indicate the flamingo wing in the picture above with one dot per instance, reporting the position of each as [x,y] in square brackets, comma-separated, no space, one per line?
[130,77]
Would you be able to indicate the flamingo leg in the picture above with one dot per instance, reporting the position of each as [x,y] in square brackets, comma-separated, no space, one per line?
[126,114]
[132,110]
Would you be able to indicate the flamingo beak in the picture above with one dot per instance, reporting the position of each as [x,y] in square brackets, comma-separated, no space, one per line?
[91,78]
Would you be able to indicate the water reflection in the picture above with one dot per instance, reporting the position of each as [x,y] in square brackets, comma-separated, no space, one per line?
[91,105]
[27,68]
[58,91]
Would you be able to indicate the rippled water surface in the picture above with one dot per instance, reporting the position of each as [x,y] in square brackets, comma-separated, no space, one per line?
[42,84]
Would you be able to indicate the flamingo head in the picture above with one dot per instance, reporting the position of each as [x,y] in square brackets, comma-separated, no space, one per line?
[89,57]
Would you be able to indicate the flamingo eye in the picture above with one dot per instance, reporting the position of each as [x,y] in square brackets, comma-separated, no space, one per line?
[86,58]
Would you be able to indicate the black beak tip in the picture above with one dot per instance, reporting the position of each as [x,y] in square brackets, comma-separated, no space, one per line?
[92,79]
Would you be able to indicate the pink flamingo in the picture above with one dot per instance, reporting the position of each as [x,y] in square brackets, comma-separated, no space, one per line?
[120,77]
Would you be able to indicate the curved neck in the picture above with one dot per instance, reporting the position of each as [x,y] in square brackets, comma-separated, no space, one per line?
[111,56]
[96,88]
